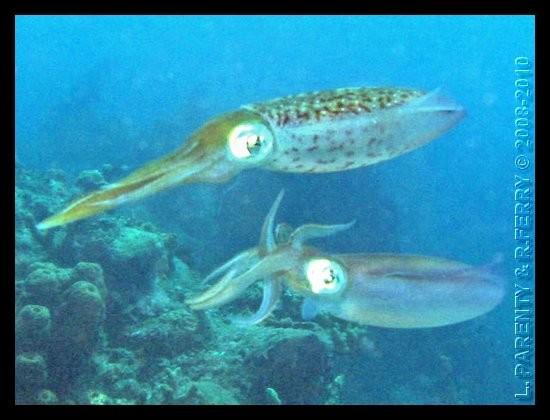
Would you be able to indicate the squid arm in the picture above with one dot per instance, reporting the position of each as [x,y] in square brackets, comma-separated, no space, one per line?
[266,261]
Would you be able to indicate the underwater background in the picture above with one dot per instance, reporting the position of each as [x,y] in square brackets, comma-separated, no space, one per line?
[100,317]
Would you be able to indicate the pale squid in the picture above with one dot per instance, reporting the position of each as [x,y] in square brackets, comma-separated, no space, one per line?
[384,290]
[316,132]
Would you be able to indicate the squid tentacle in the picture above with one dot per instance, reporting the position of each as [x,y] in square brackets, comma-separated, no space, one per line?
[230,287]
[272,286]
[250,255]
[136,190]
[244,270]
[311,231]
[272,290]
[267,236]
[263,262]
[156,176]
[214,290]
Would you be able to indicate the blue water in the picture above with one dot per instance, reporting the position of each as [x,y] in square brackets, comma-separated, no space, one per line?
[125,90]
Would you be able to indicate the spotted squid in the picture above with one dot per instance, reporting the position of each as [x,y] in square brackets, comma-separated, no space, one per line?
[315,132]
[383,290]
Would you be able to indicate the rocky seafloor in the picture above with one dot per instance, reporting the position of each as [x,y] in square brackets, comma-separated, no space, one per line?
[100,319]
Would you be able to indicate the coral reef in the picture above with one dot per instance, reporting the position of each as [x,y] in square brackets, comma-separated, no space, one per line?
[294,362]
[100,320]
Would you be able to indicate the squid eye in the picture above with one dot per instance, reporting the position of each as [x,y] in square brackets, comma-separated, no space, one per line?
[250,142]
[325,276]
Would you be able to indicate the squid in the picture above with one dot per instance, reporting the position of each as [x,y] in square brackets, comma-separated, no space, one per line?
[315,132]
[383,290]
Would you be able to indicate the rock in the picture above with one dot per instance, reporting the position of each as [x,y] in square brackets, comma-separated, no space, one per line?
[90,180]
[39,194]
[161,393]
[128,255]
[107,170]
[294,362]
[131,389]
[204,392]
[168,335]
[27,249]
[97,397]
[136,252]
[56,174]
[115,365]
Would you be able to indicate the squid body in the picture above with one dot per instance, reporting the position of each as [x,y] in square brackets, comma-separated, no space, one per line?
[316,132]
[384,290]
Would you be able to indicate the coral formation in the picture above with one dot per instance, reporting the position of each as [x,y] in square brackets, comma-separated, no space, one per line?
[45,283]
[30,374]
[78,318]
[100,320]
[167,335]
[46,397]
[90,180]
[31,368]
[32,327]
[204,392]
[294,362]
